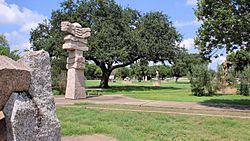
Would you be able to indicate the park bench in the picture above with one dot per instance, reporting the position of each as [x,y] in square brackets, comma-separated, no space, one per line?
[98,90]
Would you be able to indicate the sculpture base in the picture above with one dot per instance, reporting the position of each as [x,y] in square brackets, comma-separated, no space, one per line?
[75,85]
[157,83]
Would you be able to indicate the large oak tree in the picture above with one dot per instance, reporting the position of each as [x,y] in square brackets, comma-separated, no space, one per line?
[120,36]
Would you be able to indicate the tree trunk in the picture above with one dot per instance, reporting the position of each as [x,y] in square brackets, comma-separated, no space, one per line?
[176,79]
[105,78]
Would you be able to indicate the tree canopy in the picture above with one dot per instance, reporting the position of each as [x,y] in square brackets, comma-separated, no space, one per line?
[225,25]
[120,36]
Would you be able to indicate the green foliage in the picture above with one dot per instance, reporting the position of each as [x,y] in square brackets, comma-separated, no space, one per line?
[244,85]
[240,59]
[3,41]
[140,69]
[92,72]
[201,80]
[164,71]
[123,73]
[225,24]
[184,62]
[120,36]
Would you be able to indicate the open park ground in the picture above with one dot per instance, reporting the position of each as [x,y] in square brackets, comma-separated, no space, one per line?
[133,122]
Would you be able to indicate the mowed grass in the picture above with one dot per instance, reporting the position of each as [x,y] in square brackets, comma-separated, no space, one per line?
[169,91]
[138,126]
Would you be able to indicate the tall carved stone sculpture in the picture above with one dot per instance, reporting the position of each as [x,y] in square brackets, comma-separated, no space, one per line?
[75,43]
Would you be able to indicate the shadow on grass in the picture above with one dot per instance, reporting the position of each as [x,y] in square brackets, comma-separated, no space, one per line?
[239,104]
[182,82]
[115,89]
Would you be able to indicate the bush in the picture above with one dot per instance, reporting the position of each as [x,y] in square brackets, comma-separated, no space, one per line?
[201,80]
[243,87]
[92,72]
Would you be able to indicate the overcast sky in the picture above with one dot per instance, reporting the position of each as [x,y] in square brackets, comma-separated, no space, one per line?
[18,17]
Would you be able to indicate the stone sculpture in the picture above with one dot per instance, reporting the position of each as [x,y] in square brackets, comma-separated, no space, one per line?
[30,114]
[75,43]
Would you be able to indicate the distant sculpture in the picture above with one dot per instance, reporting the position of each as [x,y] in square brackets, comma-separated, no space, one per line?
[157,75]
[157,81]
[226,66]
[75,43]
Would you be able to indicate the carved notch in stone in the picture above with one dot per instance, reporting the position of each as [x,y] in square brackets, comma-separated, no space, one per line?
[14,76]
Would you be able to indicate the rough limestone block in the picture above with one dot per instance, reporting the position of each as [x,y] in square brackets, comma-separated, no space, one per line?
[21,118]
[14,76]
[40,90]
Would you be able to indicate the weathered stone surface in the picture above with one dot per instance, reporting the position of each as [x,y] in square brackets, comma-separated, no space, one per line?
[21,118]
[14,76]
[75,43]
[40,91]
[75,29]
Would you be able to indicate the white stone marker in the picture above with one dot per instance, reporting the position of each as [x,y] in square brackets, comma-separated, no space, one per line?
[75,43]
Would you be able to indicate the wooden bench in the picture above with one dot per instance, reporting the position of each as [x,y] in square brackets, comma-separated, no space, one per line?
[98,90]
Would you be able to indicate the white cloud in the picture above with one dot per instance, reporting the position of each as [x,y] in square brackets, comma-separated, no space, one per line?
[187,23]
[188,43]
[191,2]
[22,46]
[26,18]
[22,18]
[18,40]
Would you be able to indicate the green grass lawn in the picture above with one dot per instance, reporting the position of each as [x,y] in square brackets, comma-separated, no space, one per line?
[137,126]
[169,91]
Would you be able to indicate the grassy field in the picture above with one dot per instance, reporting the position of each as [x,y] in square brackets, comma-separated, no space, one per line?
[169,91]
[138,126]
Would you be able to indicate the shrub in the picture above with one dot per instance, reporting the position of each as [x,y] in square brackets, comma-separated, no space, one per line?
[201,80]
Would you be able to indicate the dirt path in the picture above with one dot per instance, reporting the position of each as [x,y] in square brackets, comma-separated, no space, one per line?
[120,99]
[95,137]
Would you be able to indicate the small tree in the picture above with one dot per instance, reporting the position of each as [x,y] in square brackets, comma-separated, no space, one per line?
[5,50]
[243,87]
[184,62]
[201,81]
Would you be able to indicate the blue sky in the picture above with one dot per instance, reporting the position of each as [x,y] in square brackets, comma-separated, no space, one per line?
[17,17]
